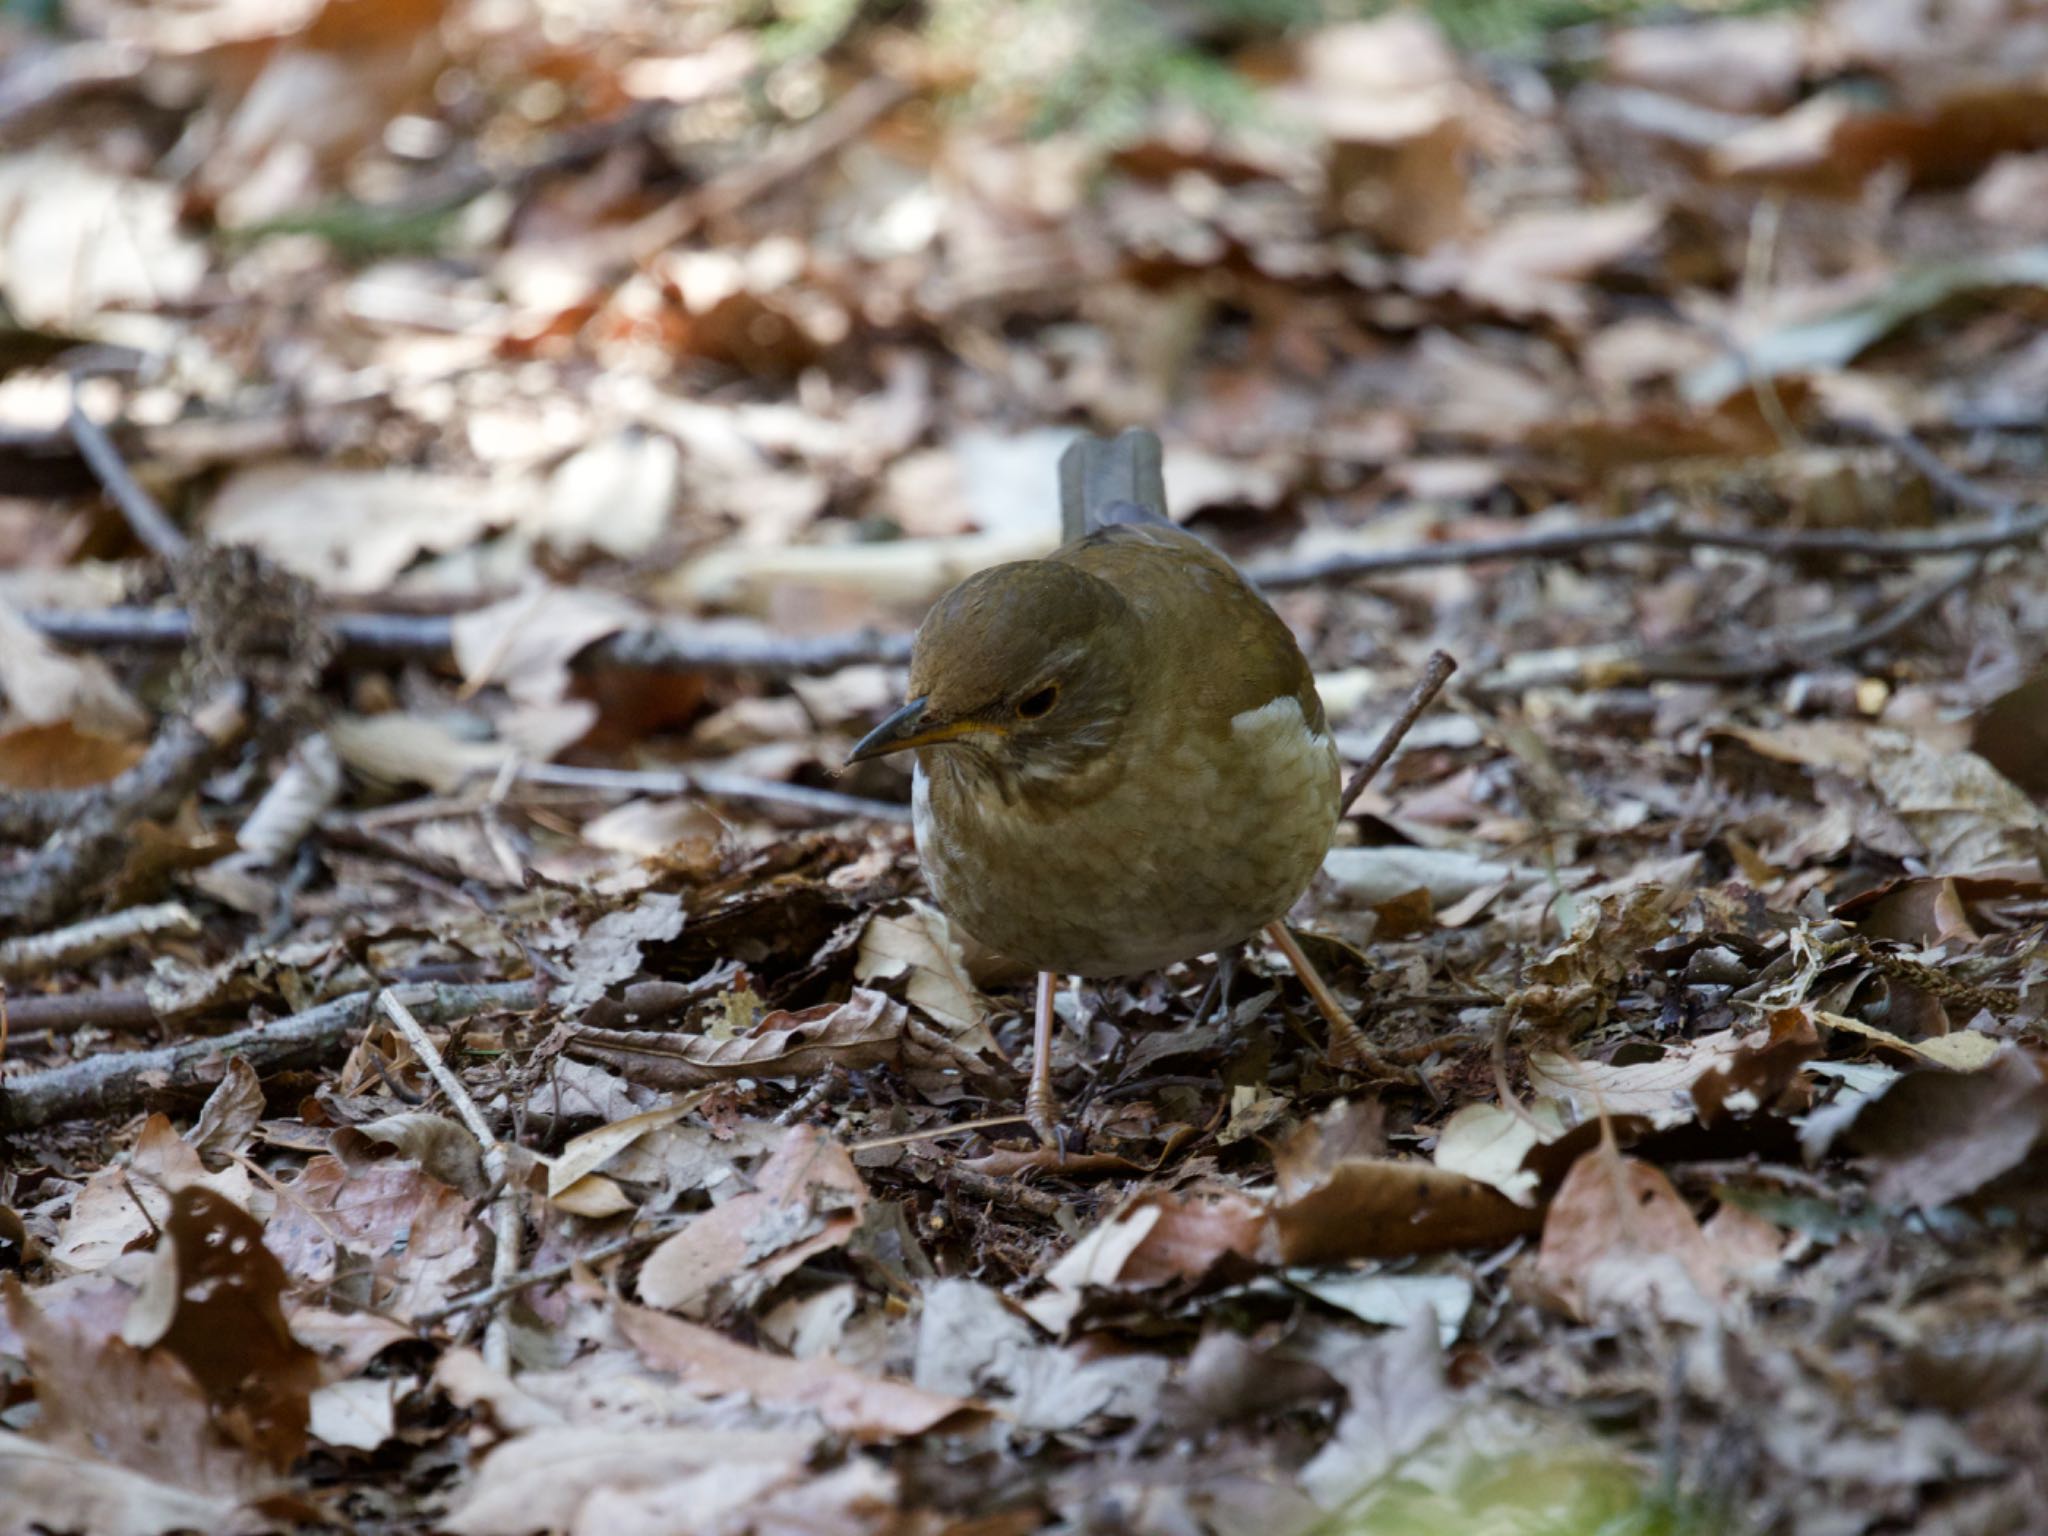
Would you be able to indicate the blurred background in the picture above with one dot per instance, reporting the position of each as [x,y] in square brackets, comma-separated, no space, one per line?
[631,374]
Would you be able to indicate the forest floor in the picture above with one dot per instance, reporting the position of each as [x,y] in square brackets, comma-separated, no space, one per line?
[472,1061]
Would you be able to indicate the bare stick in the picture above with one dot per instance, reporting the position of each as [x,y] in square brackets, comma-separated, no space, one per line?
[1657,530]
[158,533]
[1610,666]
[715,782]
[113,1084]
[38,953]
[82,852]
[508,1216]
[525,1279]
[664,645]
[1435,673]
[118,1009]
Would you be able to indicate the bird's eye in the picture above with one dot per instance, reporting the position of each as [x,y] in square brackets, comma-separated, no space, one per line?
[1033,705]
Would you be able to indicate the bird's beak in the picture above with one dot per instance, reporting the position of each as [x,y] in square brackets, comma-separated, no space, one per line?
[907,728]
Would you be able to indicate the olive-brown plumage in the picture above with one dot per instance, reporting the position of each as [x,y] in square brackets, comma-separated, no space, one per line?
[1121,758]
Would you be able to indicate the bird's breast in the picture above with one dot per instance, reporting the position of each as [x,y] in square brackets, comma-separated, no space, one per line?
[1190,838]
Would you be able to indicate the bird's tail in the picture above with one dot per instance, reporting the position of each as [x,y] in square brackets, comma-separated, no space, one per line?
[1105,480]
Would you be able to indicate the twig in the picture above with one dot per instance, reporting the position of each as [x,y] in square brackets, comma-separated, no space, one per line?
[159,534]
[78,855]
[1435,673]
[116,1084]
[715,782]
[38,953]
[526,1279]
[115,1008]
[1657,529]
[668,645]
[984,1186]
[508,1216]
[1614,666]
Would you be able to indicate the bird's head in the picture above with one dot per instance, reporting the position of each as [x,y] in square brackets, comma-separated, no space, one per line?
[1022,672]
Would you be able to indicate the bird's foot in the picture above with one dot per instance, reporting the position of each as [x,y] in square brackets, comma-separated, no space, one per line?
[1042,1112]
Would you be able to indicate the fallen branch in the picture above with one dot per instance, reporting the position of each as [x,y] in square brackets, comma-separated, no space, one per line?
[525,1279]
[38,954]
[159,534]
[508,1216]
[95,838]
[1435,673]
[117,1084]
[113,1008]
[673,645]
[717,783]
[1620,666]
[1657,529]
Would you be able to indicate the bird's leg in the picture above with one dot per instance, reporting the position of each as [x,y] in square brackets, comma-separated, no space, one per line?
[1216,996]
[1040,1107]
[1347,1045]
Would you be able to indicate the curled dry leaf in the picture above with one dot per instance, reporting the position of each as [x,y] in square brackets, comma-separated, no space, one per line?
[849,1402]
[1338,1199]
[866,1030]
[228,1117]
[1964,1051]
[443,1148]
[917,946]
[806,1199]
[609,950]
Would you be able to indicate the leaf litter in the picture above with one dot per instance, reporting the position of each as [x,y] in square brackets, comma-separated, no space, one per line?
[622,387]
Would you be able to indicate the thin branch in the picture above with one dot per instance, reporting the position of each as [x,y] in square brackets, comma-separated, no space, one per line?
[114,1008]
[525,1279]
[158,533]
[37,954]
[1657,529]
[669,645]
[1435,673]
[90,845]
[115,1084]
[1614,666]
[714,782]
[508,1214]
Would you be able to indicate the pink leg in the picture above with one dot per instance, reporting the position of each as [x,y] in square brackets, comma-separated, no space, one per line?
[1040,1107]
[1347,1045]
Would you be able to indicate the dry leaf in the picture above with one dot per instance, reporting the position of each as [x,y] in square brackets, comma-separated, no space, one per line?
[849,1402]
[806,1199]
[864,1031]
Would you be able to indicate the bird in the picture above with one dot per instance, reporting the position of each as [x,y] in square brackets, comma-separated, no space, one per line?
[1122,761]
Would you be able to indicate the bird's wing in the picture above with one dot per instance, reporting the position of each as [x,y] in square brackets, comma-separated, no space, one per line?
[1106,481]
[1229,652]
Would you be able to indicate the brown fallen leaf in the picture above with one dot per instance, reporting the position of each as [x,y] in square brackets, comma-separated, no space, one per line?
[806,1199]
[213,1301]
[849,1402]
[1338,1197]
[1618,1237]
[412,1233]
[1933,1137]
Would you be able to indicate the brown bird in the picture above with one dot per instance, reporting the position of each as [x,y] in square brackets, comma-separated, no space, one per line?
[1122,761]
